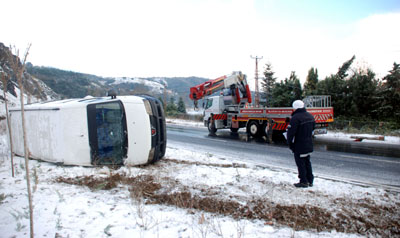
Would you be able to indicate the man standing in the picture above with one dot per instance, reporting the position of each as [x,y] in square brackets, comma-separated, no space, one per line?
[299,138]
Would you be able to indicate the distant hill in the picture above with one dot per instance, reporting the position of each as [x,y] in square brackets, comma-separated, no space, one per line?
[47,83]
[70,84]
[34,88]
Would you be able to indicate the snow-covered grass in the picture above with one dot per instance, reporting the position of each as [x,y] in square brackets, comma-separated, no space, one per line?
[187,194]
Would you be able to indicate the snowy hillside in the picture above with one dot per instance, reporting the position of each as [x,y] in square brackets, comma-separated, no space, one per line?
[155,86]
[188,194]
[12,102]
[34,88]
[71,84]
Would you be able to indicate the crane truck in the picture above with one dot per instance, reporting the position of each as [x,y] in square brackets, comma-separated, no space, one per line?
[230,109]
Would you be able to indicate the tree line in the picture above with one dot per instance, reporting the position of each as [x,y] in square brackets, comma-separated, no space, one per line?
[173,109]
[355,93]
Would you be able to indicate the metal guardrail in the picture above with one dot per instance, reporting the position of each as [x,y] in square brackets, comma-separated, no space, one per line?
[317,101]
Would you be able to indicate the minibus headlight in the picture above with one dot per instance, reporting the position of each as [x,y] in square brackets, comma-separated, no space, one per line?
[148,107]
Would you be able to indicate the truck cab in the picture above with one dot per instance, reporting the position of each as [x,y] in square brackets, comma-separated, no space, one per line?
[213,106]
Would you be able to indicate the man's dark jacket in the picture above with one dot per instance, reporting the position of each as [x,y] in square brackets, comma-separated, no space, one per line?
[299,132]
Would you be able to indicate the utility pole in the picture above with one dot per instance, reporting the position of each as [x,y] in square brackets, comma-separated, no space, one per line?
[257,96]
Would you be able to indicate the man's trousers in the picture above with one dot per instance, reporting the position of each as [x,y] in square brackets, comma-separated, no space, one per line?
[305,169]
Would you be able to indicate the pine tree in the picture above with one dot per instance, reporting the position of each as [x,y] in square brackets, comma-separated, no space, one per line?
[295,86]
[281,94]
[342,72]
[310,86]
[389,92]
[335,86]
[171,109]
[268,83]
[361,88]
[181,106]
[287,91]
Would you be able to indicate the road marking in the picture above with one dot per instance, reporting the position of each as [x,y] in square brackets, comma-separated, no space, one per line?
[363,158]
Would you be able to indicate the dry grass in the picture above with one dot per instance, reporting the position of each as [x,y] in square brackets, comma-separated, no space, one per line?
[374,220]
[232,165]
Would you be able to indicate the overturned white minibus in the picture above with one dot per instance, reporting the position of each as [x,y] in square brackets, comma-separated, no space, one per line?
[123,130]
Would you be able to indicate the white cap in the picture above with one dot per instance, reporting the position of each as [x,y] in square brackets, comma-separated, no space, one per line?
[298,104]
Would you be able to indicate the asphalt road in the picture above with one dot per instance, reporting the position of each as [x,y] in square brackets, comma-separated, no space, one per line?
[365,163]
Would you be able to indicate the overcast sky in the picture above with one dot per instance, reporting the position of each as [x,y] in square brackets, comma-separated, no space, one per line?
[204,38]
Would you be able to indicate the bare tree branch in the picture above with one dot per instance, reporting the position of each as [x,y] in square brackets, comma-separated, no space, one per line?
[19,68]
[4,80]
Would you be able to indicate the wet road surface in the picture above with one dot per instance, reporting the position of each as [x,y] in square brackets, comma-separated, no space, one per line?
[365,163]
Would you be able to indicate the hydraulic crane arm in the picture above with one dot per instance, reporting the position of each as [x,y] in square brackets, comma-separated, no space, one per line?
[235,82]
[207,88]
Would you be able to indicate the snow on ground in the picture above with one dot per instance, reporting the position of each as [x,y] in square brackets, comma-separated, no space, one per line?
[192,111]
[347,137]
[183,122]
[256,201]
[12,101]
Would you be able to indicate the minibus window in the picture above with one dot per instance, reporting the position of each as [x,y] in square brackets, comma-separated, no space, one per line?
[107,133]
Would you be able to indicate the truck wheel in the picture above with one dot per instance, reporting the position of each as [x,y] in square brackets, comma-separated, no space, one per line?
[265,129]
[267,132]
[234,130]
[253,129]
[211,127]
